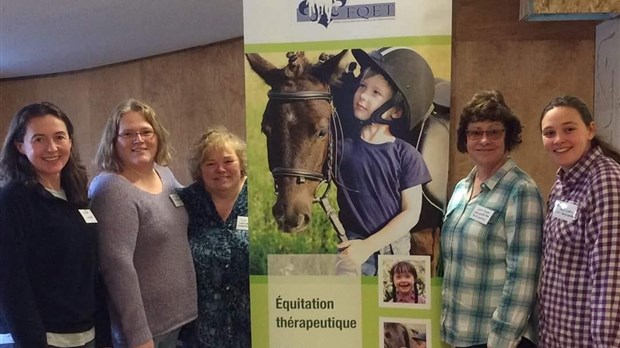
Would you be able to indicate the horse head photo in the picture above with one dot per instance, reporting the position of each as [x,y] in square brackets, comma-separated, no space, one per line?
[297,122]
[398,335]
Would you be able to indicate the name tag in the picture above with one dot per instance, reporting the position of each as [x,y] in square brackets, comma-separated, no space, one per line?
[176,200]
[88,216]
[242,223]
[481,214]
[566,211]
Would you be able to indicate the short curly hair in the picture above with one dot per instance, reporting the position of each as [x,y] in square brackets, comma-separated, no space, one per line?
[216,138]
[489,106]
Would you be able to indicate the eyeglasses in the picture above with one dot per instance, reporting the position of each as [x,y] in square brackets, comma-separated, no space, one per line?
[130,135]
[476,134]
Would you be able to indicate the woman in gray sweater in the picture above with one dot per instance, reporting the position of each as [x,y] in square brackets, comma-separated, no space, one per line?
[143,248]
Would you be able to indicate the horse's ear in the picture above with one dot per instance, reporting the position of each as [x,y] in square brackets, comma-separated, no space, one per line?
[297,64]
[329,70]
[263,68]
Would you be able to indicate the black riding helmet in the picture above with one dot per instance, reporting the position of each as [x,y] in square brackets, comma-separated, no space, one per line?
[409,72]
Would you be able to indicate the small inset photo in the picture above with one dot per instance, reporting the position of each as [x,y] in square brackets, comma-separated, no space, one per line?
[404,281]
[404,332]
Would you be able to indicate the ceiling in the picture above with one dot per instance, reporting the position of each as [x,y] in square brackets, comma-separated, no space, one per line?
[40,37]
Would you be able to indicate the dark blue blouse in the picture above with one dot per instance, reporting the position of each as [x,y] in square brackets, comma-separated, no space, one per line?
[221,259]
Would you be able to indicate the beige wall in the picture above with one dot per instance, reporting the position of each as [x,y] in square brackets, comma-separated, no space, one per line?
[530,62]
[191,90]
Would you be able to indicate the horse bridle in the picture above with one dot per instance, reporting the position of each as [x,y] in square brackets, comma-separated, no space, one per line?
[304,174]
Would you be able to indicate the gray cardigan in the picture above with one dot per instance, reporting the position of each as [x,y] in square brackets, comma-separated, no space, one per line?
[144,256]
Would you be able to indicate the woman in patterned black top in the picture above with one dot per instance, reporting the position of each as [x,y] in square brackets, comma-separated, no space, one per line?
[217,203]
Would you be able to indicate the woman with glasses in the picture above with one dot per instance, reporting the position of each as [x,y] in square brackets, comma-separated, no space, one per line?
[491,236]
[50,289]
[143,248]
[580,282]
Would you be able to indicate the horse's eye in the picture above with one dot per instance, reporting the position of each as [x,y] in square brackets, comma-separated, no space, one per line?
[322,133]
[266,129]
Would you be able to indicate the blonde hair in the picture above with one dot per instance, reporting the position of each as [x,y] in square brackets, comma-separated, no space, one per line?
[216,139]
[107,158]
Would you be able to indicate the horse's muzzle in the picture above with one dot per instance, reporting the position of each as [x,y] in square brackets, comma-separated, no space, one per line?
[290,220]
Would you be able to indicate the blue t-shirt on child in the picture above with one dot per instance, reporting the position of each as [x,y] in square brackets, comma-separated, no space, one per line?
[372,176]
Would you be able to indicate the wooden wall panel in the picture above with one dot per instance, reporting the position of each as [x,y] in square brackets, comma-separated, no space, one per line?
[607,81]
[485,20]
[190,90]
[202,88]
[529,74]
[529,62]
[107,87]
[13,94]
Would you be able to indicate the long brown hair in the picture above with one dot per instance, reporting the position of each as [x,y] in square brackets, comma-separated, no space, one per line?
[581,107]
[15,167]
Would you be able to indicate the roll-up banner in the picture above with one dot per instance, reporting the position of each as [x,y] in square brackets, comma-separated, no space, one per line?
[347,117]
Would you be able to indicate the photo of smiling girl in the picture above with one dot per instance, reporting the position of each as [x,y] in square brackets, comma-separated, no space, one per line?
[404,281]
[405,288]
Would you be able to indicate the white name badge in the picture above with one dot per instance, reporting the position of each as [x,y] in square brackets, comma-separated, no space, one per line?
[566,211]
[88,216]
[481,214]
[176,200]
[242,223]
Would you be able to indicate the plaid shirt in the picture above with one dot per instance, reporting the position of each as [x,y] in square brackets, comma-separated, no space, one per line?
[491,270]
[580,283]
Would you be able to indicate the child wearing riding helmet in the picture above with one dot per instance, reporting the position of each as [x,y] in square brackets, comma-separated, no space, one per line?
[380,176]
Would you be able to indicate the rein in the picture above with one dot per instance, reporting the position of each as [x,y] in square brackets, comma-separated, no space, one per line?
[304,174]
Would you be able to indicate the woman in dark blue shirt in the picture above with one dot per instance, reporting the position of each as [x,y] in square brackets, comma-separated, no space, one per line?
[217,204]
[49,285]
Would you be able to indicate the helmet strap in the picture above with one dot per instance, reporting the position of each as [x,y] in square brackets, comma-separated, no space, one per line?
[375,117]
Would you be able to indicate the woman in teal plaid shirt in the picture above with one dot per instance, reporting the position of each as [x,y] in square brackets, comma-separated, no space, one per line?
[491,236]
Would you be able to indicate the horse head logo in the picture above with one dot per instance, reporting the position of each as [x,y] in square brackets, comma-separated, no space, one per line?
[320,11]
